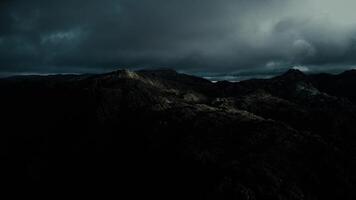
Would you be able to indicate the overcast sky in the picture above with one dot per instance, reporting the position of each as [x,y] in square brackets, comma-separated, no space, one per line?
[197,36]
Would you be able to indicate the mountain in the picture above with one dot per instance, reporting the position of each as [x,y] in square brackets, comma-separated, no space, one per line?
[175,136]
[337,85]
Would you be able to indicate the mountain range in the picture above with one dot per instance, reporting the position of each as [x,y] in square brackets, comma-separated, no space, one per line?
[168,135]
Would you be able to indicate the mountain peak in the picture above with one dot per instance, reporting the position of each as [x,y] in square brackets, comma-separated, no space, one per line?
[294,71]
[124,73]
[351,72]
[160,71]
[293,74]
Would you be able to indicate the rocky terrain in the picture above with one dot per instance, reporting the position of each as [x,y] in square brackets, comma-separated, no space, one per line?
[162,134]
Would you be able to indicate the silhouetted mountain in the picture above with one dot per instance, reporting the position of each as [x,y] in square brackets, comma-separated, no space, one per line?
[337,85]
[175,136]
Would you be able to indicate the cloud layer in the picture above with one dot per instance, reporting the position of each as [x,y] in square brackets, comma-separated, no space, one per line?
[198,36]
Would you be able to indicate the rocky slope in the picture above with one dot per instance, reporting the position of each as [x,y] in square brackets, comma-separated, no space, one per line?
[174,136]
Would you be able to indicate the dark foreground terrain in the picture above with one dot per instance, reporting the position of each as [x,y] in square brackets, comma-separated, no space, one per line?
[172,136]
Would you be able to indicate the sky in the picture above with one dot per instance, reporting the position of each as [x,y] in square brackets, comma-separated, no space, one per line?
[207,37]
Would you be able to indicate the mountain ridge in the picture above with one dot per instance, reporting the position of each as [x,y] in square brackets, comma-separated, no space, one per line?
[288,137]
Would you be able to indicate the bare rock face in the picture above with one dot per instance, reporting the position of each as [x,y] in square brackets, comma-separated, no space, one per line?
[175,136]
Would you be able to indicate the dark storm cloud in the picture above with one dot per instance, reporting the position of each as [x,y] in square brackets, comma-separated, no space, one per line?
[190,35]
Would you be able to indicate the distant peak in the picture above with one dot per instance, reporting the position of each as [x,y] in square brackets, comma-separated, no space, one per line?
[125,73]
[294,73]
[351,72]
[159,71]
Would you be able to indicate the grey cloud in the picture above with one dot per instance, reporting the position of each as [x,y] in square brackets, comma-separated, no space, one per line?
[190,35]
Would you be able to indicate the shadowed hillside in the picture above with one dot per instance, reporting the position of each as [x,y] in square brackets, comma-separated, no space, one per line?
[176,136]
